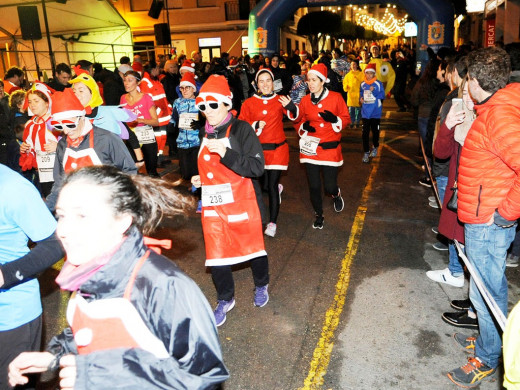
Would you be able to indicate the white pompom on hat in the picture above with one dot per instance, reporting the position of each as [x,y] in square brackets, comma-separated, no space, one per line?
[189,66]
[188,80]
[216,88]
[320,70]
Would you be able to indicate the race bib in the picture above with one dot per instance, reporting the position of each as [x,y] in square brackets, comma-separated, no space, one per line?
[309,145]
[186,118]
[145,134]
[217,195]
[45,162]
[277,85]
[368,97]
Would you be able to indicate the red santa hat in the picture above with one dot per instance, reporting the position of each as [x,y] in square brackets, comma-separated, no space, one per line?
[215,89]
[189,66]
[320,70]
[374,44]
[188,80]
[138,67]
[263,70]
[370,68]
[303,54]
[66,105]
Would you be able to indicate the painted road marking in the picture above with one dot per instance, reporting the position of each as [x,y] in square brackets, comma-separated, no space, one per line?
[321,356]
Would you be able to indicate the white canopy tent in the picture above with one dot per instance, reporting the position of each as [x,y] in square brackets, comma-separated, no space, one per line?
[79,29]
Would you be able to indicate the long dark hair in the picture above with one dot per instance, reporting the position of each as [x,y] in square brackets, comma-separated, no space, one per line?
[147,200]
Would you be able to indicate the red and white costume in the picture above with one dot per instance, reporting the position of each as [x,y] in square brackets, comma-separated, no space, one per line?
[231,219]
[36,134]
[328,151]
[272,136]
[164,109]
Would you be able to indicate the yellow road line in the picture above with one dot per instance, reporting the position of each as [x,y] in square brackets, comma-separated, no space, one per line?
[322,352]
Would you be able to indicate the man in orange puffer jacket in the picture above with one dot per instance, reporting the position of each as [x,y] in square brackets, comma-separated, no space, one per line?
[489,199]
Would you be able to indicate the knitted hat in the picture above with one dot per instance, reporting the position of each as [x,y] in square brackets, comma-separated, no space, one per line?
[263,70]
[188,80]
[188,65]
[96,99]
[370,68]
[320,70]
[215,89]
[66,105]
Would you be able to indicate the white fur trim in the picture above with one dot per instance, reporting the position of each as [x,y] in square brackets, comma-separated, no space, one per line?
[276,167]
[67,114]
[321,162]
[219,97]
[234,260]
[322,78]
[187,84]
[338,125]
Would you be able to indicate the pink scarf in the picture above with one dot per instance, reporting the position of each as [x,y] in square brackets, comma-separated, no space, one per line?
[211,129]
[73,276]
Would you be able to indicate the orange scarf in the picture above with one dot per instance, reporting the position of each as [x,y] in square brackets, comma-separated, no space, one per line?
[370,81]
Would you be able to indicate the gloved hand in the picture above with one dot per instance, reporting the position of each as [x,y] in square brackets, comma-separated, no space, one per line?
[197,124]
[308,128]
[291,107]
[328,116]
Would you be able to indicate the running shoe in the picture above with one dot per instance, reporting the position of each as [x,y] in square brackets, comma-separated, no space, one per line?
[373,152]
[366,158]
[261,296]
[222,308]
[270,229]
[512,261]
[466,342]
[338,202]
[472,374]
[318,223]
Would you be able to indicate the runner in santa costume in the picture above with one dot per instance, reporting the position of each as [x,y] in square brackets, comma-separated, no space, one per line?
[82,144]
[136,321]
[321,117]
[264,111]
[151,85]
[38,150]
[230,155]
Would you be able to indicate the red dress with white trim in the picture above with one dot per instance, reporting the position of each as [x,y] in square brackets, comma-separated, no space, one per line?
[325,148]
[272,136]
[231,219]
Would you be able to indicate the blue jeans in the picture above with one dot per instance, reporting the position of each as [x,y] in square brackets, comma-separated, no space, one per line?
[442,182]
[355,114]
[454,264]
[422,124]
[486,247]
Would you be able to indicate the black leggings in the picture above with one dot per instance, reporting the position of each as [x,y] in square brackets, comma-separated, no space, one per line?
[223,277]
[271,179]
[150,158]
[330,184]
[370,124]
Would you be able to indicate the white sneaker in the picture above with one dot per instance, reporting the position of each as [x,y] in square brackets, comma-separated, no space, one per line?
[432,199]
[445,276]
[434,204]
[270,229]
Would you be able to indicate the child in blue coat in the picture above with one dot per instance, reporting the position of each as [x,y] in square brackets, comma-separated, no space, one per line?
[372,93]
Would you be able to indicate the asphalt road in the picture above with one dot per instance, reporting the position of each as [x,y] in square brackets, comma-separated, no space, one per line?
[350,305]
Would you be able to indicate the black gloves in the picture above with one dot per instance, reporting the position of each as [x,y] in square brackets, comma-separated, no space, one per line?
[291,107]
[307,127]
[328,116]
[197,124]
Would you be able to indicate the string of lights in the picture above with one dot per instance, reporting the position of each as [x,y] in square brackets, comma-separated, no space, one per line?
[388,25]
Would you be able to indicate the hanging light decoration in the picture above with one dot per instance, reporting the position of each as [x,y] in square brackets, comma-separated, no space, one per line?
[389,25]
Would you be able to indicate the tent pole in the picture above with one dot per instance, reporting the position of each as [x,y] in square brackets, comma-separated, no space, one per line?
[36,61]
[53,63]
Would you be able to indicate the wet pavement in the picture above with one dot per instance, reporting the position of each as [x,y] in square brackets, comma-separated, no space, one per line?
[350,305]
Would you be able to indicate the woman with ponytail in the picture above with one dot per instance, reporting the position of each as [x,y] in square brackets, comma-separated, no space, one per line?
[135,318]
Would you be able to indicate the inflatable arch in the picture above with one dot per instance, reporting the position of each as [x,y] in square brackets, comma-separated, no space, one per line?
[434,21]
